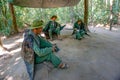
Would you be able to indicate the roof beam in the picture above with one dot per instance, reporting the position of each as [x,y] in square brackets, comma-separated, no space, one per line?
[44,3]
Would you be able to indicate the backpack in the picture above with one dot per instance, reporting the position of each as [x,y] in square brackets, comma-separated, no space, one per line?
[27,53]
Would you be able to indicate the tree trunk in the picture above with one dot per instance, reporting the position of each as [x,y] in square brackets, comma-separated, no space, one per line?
[91,2]
[86,14]
[111,14]
[15,28]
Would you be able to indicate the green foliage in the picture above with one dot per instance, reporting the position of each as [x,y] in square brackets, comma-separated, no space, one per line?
[6,29]
[99,12]
[5,20]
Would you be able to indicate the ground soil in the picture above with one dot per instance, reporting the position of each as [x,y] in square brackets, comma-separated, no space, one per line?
[95,57]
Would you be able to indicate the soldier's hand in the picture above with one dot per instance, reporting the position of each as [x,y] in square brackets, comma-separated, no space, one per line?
[53,48]
[76,29]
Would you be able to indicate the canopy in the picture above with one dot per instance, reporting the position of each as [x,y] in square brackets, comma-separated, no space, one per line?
[44,3]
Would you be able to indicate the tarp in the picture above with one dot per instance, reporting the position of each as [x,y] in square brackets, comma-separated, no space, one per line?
[44,3]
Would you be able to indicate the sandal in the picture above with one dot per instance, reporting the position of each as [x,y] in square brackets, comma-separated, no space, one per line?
[64,66]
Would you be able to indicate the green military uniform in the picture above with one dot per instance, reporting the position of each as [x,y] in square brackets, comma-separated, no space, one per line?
[43,51]
[53,28]
[78,30]
[36,49]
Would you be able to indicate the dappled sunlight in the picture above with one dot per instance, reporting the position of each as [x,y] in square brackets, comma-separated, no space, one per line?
[16,50]
[8,68]
[1,65]
[108,26]
[19,40]
[10,45]
[12,40]
[99,25]
[9,78]
[69,26]
[3,37]
[2,52]
[13,67]
[15,63]
[10,64]
[1,73]
[17,58]
[105,27]
[115,29]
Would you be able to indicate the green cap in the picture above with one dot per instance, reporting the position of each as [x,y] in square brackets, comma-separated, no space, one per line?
[36,24]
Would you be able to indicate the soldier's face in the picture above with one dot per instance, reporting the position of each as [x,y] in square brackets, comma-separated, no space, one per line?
[39,30]
[54,19]
[79,22]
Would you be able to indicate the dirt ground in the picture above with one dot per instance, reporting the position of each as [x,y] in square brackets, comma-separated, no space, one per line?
[95,57]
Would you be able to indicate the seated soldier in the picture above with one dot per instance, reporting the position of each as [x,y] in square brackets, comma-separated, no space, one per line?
[79,29]
[53,28]
[36,49]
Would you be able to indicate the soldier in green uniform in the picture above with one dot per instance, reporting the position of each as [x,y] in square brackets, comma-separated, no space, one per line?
[36,49]
[79,29]
[52,28]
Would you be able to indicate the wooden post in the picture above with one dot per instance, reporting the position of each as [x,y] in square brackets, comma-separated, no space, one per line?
[86,14]
[111,14]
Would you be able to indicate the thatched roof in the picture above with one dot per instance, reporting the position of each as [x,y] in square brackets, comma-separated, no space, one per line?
[44,3]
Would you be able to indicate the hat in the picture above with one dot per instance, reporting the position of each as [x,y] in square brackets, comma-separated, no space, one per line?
[54,16]
[36,24]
